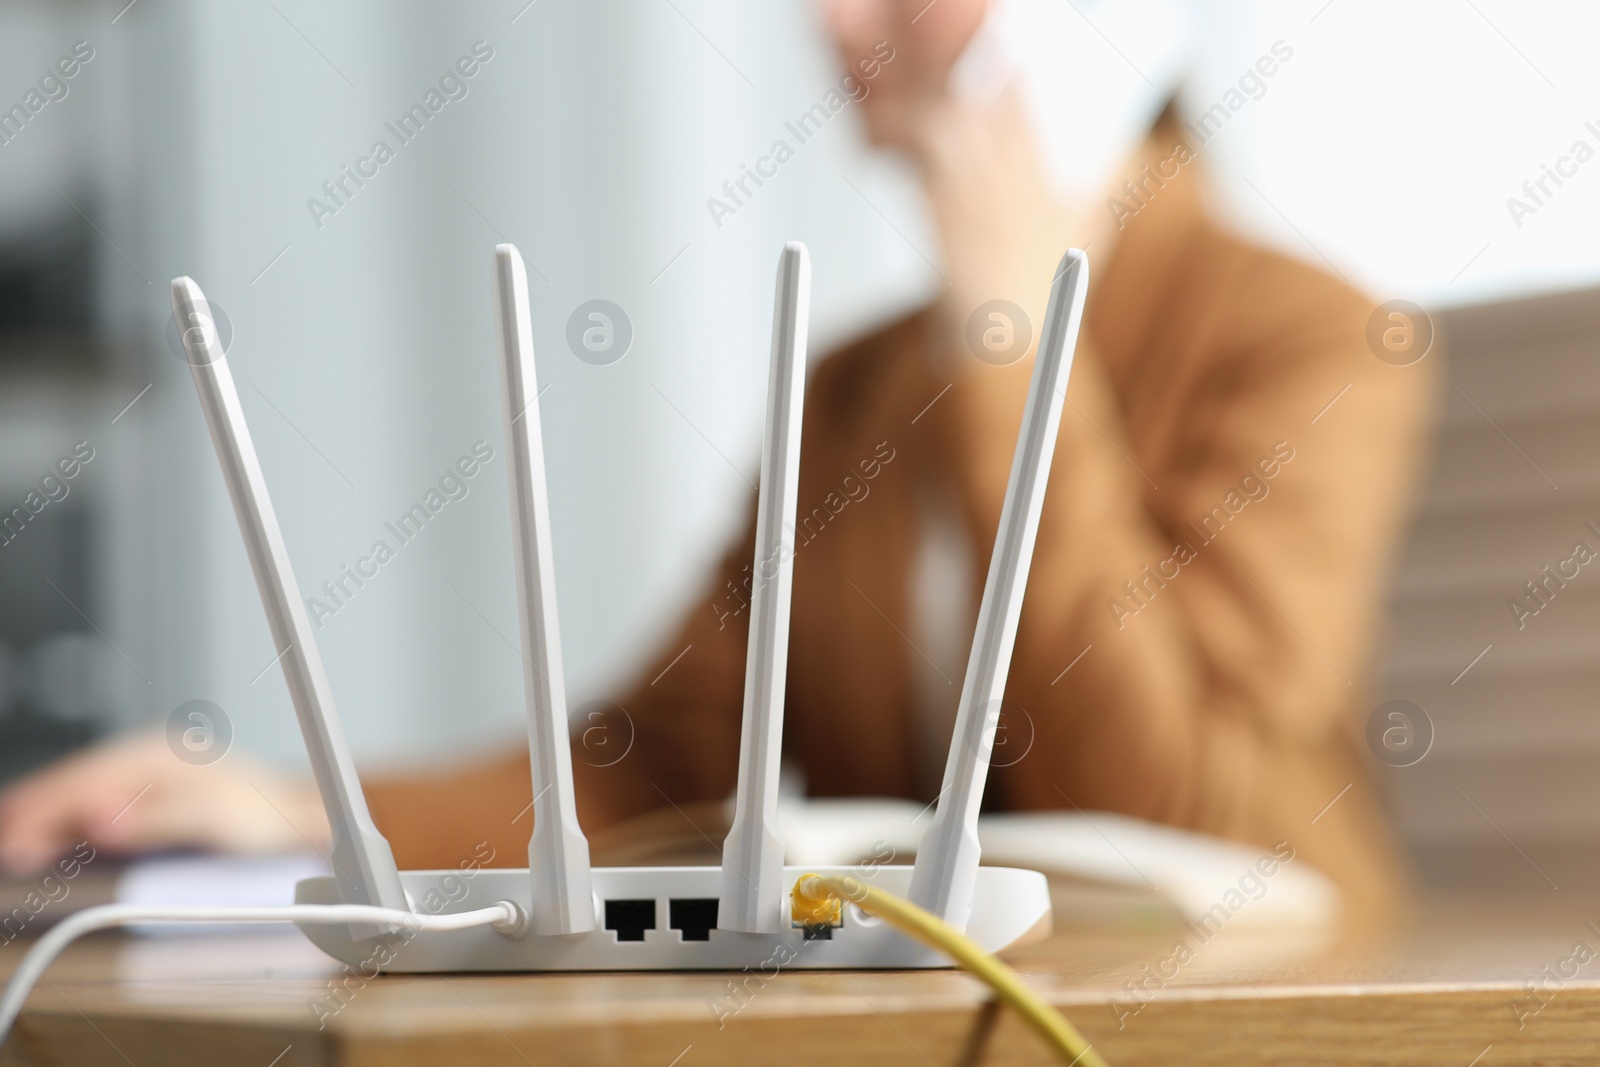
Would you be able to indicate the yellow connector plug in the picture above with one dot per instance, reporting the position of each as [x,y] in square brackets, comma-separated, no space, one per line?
[810,904]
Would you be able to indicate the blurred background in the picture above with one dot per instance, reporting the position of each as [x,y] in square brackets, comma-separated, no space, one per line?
[197,139]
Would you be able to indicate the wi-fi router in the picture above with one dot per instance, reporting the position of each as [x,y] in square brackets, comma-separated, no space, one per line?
[741,914]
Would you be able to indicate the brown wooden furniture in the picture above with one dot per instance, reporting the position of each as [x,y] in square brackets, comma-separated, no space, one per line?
[1448,988]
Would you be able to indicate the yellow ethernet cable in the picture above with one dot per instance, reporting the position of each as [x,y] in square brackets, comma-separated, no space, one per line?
[816,894]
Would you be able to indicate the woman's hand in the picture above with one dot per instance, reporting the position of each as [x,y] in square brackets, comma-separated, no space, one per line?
[1002,226]
[131,794]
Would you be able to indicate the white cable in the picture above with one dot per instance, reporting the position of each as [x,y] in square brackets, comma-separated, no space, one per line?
[503,916]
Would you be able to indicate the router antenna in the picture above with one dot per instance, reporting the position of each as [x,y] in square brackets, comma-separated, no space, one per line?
[363,864]
[558,853]
[947,858]
[752,856]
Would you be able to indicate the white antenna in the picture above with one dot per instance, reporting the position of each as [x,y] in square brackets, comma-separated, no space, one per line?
[363,864]
[947,858]
[558,853]
[752,893]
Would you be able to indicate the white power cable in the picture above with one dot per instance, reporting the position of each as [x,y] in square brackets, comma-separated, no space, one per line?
[504,916]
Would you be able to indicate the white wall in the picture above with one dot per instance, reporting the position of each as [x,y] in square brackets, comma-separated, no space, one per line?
[1393,138]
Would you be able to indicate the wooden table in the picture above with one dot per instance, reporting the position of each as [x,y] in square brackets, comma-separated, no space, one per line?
[1447,990]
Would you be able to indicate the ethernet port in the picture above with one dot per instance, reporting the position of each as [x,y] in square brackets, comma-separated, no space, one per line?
[694,918]
[816,931]
[629,919]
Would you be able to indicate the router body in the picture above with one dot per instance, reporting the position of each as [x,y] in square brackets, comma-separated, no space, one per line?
[664,919]
[736,916]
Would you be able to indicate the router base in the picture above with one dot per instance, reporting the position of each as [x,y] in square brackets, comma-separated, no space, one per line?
[663,919]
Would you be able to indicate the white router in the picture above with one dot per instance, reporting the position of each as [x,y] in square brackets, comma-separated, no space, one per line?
[656,918]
